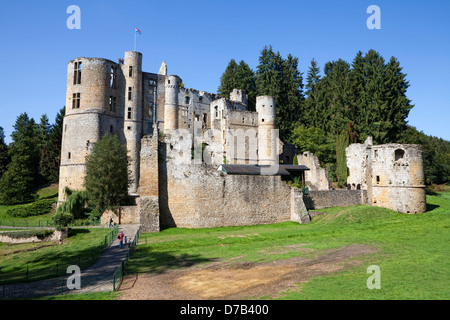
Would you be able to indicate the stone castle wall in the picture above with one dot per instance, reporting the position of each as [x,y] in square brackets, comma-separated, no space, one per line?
[195,195]
[334,198]
[316,177]
[201,197]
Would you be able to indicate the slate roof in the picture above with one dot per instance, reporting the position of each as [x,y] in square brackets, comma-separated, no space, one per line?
[252,169]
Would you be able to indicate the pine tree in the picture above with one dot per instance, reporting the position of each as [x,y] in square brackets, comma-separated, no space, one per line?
[269,73]
[379,97]
[239,76]
[228,80]
[245,80]
[358,83]
[5,159]
[334,97]
[395,86]
[20,180]
[342,142]
[310,116]
[292,93]
[281,79]
[51,152]
[44,130]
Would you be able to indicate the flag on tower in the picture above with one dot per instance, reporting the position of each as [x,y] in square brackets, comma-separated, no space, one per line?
[136,30]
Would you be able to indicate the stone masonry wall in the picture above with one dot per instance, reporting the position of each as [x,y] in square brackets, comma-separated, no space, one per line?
[149,214]
[195,195]
[205,198]
[148,177]
[316,177]
[334,198]
[392,174]
[55,236]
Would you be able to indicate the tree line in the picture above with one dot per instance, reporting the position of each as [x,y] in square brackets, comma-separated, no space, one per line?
[31,159]
[345,104]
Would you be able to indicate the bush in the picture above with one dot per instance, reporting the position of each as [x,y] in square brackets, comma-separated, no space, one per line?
[40,234]
[62,219]
[37,208]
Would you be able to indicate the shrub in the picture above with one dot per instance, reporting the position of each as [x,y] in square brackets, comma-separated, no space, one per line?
[62,219]
[40,234]
[37,208]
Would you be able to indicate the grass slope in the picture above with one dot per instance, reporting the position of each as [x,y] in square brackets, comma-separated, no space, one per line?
[49,192]
[412,250]
[82,248]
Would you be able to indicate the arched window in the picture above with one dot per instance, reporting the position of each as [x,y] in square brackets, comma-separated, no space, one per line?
[399,154]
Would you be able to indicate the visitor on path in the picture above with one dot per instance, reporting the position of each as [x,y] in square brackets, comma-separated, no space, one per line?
[110,222]
[120,236]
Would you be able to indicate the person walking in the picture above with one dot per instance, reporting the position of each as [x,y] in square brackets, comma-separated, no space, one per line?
[120,236]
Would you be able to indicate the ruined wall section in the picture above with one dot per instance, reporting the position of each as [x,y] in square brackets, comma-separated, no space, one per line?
[241,136]
[334,198]
[184,107]
[149,161]
[197,196]
[316,177]
[239,96]
[392,174]
[398,178]
[194,106]
[359,164]
[160,101]
[151,98]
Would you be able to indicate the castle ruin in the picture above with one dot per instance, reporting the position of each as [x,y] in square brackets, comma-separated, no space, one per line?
[201,160]
[392,174]
[177,138]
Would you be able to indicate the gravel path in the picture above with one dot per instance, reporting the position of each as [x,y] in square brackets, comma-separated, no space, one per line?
[98,277]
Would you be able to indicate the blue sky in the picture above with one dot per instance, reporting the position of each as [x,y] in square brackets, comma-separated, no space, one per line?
[198,38]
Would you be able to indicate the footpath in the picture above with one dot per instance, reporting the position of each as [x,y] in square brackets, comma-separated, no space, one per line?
[98,277]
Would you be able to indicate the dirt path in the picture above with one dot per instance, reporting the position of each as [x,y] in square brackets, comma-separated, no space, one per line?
[240,280]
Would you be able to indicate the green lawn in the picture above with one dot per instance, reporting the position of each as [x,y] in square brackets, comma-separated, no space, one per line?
[82,248]
[412,250]
[112,295]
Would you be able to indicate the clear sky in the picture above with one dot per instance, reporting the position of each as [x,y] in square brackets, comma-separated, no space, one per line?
[198,38]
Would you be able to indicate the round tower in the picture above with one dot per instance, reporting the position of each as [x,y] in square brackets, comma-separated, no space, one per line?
[132,71]
[88,116]
[398,178]
[267,139]
[171,103]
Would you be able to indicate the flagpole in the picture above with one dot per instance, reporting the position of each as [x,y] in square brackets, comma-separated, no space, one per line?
[135,39]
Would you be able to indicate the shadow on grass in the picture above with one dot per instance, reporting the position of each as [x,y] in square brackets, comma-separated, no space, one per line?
[160,262]
[51,196]
[431,207]
[77,231]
